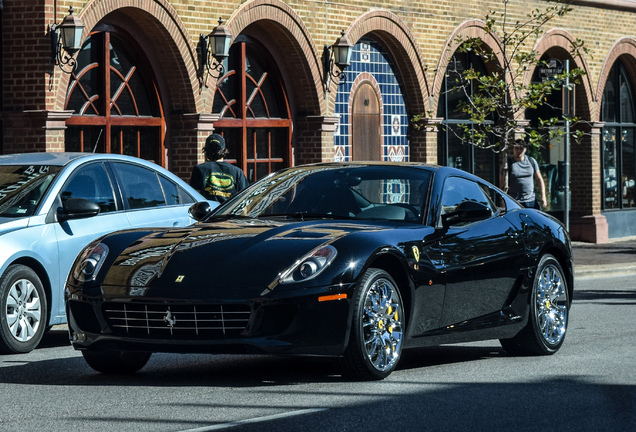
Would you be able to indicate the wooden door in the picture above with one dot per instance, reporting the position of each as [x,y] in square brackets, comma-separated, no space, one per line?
[366,131]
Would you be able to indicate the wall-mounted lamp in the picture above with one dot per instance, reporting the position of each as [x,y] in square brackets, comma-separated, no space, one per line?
[338,54]
[215,48]
[66,36]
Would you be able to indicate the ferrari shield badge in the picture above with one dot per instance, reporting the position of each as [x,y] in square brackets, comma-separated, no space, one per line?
[416,253]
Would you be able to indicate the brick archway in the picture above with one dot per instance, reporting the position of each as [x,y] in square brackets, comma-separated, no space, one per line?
[296,51]
[468,29]
[387,28]
[158,22]
[558,39]
[394,35]
[624,48]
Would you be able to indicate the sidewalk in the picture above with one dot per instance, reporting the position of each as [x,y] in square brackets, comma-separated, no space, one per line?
[617,257]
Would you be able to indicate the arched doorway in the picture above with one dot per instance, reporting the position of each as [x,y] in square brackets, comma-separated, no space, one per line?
[366,132]
[115,101]
[254,111]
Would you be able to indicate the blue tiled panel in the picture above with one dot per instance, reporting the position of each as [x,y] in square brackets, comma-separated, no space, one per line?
[369,57]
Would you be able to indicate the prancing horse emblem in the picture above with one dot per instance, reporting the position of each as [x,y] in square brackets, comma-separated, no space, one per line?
[416,253]
[170,319]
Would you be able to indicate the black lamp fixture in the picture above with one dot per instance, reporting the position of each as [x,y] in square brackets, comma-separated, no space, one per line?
[66,36]
[338,55]
[215,48]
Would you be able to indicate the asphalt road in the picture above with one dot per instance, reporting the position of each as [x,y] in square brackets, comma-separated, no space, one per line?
[589,385]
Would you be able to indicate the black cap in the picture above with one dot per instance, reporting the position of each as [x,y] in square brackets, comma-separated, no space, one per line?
[214,143]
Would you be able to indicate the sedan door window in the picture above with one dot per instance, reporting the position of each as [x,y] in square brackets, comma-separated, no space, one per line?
[174,194]
[140,186]
[93,183]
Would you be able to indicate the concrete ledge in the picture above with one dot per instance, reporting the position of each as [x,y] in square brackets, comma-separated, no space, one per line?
[591,229]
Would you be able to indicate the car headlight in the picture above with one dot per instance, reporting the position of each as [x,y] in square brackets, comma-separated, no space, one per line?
[309,266]
[89,262]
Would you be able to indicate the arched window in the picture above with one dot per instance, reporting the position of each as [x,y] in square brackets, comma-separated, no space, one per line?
[254,111]
[115,101]
[381,125]
[619,136]
[451,151]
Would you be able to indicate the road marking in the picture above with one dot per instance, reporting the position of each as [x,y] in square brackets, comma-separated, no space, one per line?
[255,420]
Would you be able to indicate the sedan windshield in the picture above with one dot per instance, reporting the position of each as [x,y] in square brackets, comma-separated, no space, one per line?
[349,192]
[22,187]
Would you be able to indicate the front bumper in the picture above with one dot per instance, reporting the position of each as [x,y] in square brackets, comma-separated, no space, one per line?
[291,323]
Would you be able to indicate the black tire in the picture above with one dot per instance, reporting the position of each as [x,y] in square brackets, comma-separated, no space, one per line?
[548,316]
[375,344]
[24,314]
[116,362]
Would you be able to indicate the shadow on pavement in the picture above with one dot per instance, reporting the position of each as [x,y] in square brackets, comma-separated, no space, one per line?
[619,297]
[217,370]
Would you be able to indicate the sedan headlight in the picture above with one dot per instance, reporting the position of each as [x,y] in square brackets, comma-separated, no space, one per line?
[310,265]
[89,262]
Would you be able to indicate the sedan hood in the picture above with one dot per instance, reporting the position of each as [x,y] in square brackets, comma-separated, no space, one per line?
[227,255]
[12,224]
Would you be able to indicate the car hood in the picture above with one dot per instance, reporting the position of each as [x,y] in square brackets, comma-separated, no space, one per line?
[227,255]
[11,224]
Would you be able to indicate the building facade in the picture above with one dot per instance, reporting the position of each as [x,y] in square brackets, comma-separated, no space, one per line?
[140,87]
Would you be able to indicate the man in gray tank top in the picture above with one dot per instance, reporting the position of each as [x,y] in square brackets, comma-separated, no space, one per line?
[524,170]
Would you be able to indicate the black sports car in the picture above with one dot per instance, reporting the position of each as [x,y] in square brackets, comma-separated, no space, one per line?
[354,261]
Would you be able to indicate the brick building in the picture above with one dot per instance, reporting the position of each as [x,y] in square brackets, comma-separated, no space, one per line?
[140,87]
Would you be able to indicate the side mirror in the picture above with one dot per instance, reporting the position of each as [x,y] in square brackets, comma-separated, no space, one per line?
[77,208]
[198,211]
[468,211]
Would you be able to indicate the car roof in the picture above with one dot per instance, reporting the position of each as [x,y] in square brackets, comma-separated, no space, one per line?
[41,158]
[58,158]
[375,163]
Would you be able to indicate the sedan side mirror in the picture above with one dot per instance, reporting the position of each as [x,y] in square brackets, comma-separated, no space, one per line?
[77,208]
[468,211]
[198,211]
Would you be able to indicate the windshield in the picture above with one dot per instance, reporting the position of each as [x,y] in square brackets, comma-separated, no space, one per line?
[22,187]
[373,192]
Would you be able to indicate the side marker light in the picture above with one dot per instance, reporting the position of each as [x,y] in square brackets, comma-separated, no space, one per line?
[332,297]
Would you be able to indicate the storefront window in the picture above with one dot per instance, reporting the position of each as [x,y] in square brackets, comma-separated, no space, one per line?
[451,150]
[619,141]
[550,155]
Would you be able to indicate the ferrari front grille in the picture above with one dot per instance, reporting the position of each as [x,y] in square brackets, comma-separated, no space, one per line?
[161,321]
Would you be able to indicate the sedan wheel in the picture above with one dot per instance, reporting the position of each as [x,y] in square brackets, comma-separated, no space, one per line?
[24,315]
[116,362]
[549,310]
[375,345]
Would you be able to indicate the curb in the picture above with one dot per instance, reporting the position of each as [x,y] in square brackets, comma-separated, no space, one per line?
[607,270]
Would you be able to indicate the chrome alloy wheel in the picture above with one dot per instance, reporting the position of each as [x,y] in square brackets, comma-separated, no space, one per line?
[382,324]
[551,305]
[24,310]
